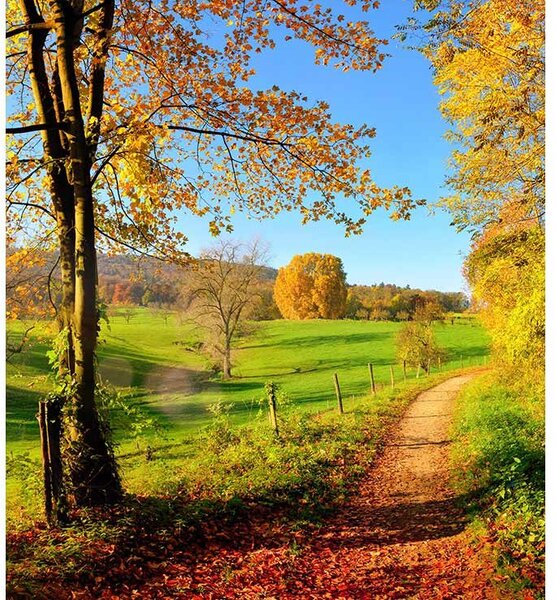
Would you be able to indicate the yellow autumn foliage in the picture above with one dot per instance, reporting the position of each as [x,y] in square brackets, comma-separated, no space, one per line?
[311,286]
[489,62]
[506,270]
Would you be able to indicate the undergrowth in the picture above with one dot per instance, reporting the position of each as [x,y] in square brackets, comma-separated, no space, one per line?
[231,476]
[499,462]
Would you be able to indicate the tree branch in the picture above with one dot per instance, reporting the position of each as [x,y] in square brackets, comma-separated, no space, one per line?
[37,127]
[237,136]
[41,26]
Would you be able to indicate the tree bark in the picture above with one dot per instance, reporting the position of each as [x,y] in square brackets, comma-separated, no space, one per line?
[227,360]
[92,467]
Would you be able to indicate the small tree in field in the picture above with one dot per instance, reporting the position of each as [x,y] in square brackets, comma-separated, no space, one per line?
[221,291]
[416,345]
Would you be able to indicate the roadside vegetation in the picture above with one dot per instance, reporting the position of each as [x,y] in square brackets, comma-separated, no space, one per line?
[208,489]
[499,466]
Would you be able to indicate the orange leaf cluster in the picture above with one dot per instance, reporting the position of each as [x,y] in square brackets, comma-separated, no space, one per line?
[312,286]
[183,128]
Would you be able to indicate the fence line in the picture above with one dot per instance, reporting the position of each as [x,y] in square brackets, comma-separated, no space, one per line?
[379,383]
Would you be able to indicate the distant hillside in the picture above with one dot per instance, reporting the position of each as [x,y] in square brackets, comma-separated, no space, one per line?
[125,279]
[128,267]
[142,281]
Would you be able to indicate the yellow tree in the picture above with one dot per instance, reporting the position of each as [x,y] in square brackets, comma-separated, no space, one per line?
[416,345]
[488,58]
[489,63]
[125,112]
[506,270]
[312,286]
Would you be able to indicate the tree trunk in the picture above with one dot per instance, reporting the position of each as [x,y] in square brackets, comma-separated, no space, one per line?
[92,466]
[66,237]
[227,360]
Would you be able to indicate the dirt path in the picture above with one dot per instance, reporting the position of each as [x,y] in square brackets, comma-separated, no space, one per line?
[402,536]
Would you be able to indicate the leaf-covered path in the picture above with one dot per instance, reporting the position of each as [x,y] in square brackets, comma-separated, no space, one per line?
[400,536]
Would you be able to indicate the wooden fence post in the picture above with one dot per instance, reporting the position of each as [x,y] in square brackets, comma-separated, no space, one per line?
[338,394]
[392,376]
[46,471]
[54,431]
[50,426]
[428,368]
[372,382]
[439,363]
[271,390]
[405,371]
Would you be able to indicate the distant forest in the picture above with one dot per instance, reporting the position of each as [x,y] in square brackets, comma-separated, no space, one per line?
[126,281]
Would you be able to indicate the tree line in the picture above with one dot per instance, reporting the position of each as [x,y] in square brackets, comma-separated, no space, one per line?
[33,289]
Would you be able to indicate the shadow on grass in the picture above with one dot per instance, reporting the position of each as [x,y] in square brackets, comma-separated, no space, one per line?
[21,411]
[126,368]
[332,340]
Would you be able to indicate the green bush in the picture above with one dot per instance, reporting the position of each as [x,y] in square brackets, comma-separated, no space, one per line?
[500,462]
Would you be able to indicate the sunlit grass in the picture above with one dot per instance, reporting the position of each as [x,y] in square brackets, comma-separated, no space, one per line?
[154,365]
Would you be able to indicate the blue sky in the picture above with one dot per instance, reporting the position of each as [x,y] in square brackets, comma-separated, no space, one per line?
[401,102]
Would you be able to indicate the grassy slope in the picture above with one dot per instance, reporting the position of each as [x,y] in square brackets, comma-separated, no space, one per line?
[149,361]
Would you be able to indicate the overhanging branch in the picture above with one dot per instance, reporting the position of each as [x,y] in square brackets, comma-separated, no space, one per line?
[37,127]
[41,26]
[237,136]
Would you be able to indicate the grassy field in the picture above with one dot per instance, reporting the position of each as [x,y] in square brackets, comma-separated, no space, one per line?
[155,367]
[154,363]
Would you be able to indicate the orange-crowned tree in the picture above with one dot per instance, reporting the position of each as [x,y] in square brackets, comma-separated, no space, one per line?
[312,286]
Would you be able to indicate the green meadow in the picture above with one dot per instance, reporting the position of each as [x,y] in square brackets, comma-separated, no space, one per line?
[157,369]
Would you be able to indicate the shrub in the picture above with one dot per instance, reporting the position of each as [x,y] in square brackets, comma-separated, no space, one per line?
[499,458]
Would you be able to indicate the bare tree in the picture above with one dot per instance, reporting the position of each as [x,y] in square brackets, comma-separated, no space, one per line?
[221,291]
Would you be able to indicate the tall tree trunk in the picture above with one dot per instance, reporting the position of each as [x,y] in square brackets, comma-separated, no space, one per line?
[92,466]
[66,240]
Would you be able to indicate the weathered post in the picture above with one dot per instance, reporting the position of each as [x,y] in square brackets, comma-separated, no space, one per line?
[46,471]
[405,371]
[428,368]
[271,391]
[392,376]
[338,394]
[439,363]
[54,434]
[372,382]
[50,427]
